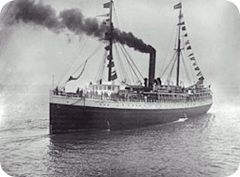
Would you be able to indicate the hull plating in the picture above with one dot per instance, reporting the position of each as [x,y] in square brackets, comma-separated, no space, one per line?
[71,118]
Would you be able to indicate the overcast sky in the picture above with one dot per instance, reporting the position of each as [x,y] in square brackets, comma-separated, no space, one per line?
[32,54]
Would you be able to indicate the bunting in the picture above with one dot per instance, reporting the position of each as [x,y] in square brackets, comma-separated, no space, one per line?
[107,5]
[107,47]
[187,42]
[201,78]
[109,57]
[111,65]
[197,69]
[190,55]
[178,6]
[113,75]
[199,74]
[182,23]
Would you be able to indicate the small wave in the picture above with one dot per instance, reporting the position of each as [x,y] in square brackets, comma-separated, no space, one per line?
[181,120]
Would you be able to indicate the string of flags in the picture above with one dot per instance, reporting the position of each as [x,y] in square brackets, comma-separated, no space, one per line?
[188,45]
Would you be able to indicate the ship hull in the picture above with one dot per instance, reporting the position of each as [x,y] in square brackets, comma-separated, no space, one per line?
[73,118]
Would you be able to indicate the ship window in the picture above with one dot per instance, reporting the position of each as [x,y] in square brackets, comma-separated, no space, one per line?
[104,87]
[100,87]
[109,87]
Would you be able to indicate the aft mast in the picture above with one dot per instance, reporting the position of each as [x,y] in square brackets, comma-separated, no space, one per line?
[110,44]
[179,6]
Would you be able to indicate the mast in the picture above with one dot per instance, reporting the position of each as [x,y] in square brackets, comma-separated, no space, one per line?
[179,46]
[110,34]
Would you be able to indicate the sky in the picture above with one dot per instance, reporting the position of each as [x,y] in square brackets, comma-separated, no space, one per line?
[33,54]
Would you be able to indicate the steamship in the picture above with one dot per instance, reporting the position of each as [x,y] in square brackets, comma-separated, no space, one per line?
[114,105]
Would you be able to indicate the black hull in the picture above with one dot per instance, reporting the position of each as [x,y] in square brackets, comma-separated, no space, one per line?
[69,118]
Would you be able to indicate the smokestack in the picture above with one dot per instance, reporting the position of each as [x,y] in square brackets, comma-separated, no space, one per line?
[151,71]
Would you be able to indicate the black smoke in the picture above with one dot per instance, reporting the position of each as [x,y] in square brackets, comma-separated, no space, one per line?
[31,12]
[74,20]
[131,41]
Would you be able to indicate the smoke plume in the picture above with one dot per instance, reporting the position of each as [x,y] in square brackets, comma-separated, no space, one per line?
[30,12]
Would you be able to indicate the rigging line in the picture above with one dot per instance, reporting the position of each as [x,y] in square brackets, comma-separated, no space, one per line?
[133,62]
[119,62]
[99,8]
[94,52]
[67,63]
[169,64]
[72,56]
[171,71]
[176,38]
[79,47]
[123,70]
[191,65]
[186,70]
[101,67]
[104,64]
[84,63]
[169,47]
[77,51]
[98,72]
[116,16]
[81,71]
[129,63]
[77,54]
[117,21]
[123,65]
[74,52]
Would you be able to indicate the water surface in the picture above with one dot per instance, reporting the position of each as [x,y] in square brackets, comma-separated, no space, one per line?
[203,146]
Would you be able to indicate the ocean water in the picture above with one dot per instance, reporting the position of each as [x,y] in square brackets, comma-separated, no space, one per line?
[206,146]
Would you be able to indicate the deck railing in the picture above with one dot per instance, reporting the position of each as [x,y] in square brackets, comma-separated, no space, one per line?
[155,98]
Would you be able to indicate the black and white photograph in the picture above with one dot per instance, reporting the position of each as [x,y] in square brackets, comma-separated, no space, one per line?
[119,88]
